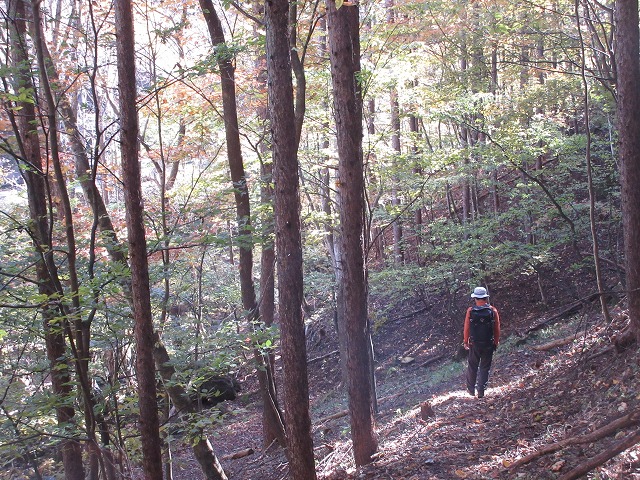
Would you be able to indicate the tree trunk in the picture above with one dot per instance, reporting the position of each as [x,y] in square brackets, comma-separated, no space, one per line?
[145,368]
[46,268]
[272,420]
[288,243]
[202,449]
[398,248]
[297,66]
[79,328]
[271,413]
[417,170]
[628,71]
[344,45]
[600,281]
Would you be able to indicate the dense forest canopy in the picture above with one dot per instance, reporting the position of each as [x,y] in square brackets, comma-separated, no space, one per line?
[489,156]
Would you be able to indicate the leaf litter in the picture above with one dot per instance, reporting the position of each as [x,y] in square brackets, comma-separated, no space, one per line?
[535,398]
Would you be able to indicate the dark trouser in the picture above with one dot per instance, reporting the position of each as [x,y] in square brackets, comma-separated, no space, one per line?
[480,357]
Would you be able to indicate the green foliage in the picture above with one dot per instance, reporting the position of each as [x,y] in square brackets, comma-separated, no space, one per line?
[23,95]
[519,136]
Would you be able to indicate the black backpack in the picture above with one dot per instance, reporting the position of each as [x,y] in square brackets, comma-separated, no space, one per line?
[481,323]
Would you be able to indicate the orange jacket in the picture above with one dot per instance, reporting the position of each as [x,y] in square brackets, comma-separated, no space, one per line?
[496,323]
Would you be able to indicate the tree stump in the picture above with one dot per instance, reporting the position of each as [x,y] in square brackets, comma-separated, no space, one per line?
[426,411]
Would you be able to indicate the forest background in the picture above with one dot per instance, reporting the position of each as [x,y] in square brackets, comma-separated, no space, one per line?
[494,143]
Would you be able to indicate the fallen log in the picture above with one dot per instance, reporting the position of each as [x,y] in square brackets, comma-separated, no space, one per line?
[410,315]
[600,353]
[431,360]
[567,310]
[322,357]
[628,420]
[333,416]
[594,462]
[239,454]
[555,343]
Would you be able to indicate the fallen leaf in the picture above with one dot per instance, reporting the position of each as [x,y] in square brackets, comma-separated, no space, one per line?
[506,463]
[556,467]
[461,473]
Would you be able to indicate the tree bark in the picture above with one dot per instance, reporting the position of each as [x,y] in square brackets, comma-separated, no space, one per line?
[202,448]
[272,412]
[344,46]
[628,70]
[46,268]
[398,247]
[145,368]
[272,418]
[600,281]
[78,327]
[288,243]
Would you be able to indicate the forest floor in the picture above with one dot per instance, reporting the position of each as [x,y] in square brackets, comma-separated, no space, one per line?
[429,427]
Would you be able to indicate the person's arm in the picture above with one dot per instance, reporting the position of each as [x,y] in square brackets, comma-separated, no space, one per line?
[467,328]
[496,326]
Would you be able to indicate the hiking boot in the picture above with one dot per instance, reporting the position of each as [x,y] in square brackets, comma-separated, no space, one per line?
[472,391]
[480,393]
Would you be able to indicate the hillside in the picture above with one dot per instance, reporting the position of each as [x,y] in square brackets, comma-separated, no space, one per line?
[536,398]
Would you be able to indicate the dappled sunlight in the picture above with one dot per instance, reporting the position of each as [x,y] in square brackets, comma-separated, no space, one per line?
[452,395]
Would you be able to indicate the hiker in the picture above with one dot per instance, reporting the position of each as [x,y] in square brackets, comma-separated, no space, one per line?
[481,338]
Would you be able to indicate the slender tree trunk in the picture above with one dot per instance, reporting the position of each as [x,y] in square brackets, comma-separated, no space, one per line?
[145,368]
[79,331]
[288,243]
[398,248]
[243,209]
[394,106]
[628,71]
[592,200]
[202,449]
[234,154]
[85,173]
[493,88]
[414,122]
[46,268]
[272,418]
[297,66]
[344,46]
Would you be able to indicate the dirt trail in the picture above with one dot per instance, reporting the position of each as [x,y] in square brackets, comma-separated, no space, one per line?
[534,398]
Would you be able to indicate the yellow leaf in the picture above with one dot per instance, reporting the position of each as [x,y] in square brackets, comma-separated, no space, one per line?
[339,3]
[461,473]
[506,463]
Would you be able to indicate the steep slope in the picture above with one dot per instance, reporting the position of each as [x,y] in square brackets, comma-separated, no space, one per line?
[430,428]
